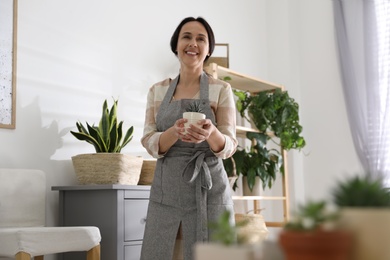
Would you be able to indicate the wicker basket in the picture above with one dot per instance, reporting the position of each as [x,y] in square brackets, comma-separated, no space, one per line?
[255,230]
[107,168]
[147,172]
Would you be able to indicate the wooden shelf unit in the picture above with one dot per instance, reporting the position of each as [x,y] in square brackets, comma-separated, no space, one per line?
[253,85]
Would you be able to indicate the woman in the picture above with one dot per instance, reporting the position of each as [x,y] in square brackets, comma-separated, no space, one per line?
[190,186]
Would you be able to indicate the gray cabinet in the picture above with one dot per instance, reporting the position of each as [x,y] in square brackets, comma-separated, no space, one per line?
[118,210]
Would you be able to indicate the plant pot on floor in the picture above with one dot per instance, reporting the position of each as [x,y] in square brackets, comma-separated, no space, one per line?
[316,245]
[371,230]
[107,168]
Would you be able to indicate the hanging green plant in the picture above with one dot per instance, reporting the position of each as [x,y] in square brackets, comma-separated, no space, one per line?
[273,111]
[276,115]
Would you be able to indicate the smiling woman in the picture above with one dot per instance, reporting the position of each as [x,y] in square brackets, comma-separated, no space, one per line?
[190,186]
[8,19]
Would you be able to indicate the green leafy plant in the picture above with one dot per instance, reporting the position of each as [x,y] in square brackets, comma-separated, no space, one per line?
[313,215]
[195,106]
[107,137]
[223,231]
[258,161]
[361,191]
[276,115]
[273,111]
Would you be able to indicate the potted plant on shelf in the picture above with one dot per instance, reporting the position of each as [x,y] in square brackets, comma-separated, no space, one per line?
[311,234]
[108,165]
[365,211]
[276,115]
[257,161]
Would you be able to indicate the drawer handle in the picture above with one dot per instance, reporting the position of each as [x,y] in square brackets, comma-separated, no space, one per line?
[143,220]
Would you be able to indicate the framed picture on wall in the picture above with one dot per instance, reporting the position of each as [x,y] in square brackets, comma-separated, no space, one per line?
[8,26]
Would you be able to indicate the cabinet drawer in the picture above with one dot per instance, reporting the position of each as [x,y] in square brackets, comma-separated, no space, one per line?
[135,217]
[133,252]
[137,194]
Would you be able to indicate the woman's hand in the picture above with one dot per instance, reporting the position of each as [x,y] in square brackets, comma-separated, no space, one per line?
[199,133]
[179,128]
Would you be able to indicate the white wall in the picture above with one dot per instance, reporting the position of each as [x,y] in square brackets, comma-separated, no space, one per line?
[74,54]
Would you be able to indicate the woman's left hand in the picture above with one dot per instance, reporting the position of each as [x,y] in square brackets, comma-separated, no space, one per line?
[199,133]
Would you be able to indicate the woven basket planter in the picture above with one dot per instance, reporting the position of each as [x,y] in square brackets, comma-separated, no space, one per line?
[147,172]
[107,168]
[254,231]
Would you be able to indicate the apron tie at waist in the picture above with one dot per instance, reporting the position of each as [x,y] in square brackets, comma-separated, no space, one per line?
[200,164]
[202,179]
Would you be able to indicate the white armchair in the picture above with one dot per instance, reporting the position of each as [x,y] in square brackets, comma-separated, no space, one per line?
[22,221]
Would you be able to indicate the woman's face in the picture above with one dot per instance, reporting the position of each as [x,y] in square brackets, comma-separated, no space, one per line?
[193,44]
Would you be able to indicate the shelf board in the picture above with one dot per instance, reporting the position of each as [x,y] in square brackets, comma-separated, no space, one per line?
[241,81]
[258,198]
[274,224]
[242,130]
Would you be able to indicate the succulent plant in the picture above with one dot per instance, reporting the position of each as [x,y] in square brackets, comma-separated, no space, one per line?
[223,231]
[108,136]
[361,191]
[312,216]
[195,106]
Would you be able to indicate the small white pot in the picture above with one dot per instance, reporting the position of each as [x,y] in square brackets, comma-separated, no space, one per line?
[192,118]
[257,188]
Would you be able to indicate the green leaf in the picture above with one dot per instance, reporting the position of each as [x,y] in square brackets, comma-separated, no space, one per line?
[222,231]
[87,138]
[128,137]
[104,124]
[114,138]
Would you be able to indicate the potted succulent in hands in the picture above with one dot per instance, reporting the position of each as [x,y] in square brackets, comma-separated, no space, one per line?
[108,165]
[365,211]
[194,113]
[311,234]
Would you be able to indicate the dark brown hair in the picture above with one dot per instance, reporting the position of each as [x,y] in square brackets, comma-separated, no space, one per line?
[210,34]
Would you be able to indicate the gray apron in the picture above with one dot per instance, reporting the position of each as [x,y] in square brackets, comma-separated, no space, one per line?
[190,185]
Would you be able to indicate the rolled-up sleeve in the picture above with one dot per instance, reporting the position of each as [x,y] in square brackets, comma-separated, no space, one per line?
[222,102]
[151,137]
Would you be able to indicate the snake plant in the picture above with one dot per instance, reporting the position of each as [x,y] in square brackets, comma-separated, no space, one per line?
[107,137]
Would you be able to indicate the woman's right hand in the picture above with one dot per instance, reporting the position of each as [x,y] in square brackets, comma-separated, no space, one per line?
[171,135]
[179,127]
